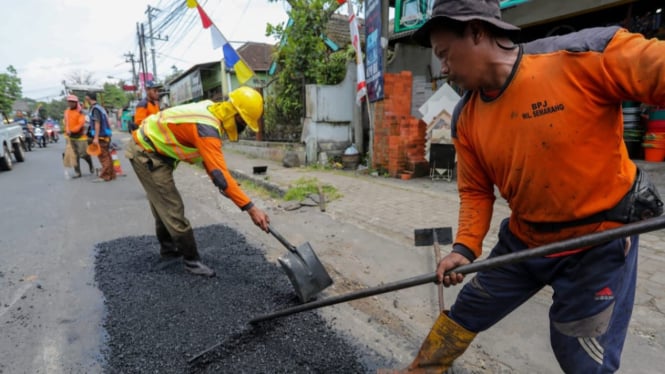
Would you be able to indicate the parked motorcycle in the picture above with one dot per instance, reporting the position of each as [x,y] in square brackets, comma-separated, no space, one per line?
[40,136]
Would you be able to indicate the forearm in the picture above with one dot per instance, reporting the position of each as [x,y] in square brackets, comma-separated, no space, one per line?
[474,221]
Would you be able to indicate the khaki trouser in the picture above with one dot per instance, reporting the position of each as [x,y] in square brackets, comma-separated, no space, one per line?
[173,229]
[79,147]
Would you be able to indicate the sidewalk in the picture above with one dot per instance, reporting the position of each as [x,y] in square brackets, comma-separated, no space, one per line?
[392,209]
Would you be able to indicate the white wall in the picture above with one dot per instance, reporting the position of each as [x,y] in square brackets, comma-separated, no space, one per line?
[329,117]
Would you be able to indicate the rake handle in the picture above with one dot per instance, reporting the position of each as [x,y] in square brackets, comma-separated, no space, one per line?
[589,240]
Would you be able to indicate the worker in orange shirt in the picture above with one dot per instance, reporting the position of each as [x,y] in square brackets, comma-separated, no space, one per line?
[149,105]
[75,130]
[540,125]
[191,133]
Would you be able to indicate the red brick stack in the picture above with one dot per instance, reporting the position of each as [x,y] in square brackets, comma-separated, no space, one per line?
[399,138]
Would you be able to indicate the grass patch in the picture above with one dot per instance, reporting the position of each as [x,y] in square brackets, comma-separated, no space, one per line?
[303,187]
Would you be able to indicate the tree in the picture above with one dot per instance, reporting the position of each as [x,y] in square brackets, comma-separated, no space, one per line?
[174,73]
[114,96]
[81,77]
[10,90]
[302,59]
[56,108]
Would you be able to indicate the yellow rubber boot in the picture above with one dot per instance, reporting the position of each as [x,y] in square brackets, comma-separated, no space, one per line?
[445,342]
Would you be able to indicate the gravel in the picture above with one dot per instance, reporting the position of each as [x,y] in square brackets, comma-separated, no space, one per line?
[158,317]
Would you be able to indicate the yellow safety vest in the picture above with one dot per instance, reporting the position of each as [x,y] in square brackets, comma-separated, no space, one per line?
[154,133]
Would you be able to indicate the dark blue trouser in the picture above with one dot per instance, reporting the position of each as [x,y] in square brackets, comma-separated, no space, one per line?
[593,299]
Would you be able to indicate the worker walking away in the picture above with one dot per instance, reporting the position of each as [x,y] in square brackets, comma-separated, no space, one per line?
[99,134]
[191,133]
[74,120]
[148,106]
[542,121]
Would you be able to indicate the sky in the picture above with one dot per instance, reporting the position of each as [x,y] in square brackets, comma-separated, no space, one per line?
[47,40]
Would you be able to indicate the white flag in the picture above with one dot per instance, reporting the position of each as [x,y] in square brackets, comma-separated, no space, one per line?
[361,86]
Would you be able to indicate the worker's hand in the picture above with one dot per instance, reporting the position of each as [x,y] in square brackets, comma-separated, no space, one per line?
[95,140]
[447,263]
[259,217]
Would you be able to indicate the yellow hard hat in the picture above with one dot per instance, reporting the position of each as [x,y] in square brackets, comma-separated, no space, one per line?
[248,102]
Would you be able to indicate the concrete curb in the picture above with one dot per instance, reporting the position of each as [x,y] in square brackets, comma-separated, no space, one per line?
[271,187]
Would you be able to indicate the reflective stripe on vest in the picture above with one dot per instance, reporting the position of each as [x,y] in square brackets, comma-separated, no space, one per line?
[160,138]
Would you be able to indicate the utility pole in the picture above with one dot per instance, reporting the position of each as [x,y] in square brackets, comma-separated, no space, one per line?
[139,37]
[145,53]
[152,38]
[129,57]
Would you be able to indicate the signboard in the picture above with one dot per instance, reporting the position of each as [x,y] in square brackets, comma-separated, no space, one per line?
[144,77]
[411,14]
[187,89]
[374,51]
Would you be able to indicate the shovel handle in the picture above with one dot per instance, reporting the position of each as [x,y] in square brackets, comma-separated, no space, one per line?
[651,224]
[437,257]
[282,240]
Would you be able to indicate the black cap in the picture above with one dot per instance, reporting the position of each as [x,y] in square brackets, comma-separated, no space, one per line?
[462,11]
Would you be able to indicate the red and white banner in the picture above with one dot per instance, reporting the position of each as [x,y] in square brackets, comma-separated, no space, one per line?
[361,86]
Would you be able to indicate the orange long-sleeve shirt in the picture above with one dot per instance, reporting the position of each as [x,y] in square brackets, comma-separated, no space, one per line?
[209,146]
[74,122]
[552,140]
[143,109]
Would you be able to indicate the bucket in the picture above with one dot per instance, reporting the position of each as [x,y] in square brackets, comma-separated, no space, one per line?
[630,104]
[657,115]
[350,162]
[655,125]
[652,154]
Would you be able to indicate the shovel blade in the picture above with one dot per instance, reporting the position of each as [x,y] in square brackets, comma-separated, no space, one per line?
[305,271]
[425,237]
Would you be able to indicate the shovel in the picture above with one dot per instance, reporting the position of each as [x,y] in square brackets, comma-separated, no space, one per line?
[589,240]
[303,268]
[434,237]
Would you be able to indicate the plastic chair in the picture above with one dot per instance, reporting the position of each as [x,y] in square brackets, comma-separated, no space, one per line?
[442,161]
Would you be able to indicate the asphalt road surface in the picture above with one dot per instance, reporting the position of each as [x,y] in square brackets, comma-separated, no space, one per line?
[79,293]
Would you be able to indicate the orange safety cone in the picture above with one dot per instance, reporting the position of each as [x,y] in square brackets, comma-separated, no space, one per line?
[116,163]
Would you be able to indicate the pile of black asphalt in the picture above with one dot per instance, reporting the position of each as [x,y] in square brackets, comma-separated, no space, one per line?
[158,317]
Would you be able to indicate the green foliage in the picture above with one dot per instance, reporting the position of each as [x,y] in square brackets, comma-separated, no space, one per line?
[114,96]
[304,187]
[333,69]
[302,59]
[56,108]
[10,90]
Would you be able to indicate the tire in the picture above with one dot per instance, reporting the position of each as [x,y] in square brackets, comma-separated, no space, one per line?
[6,160]
[18,152]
